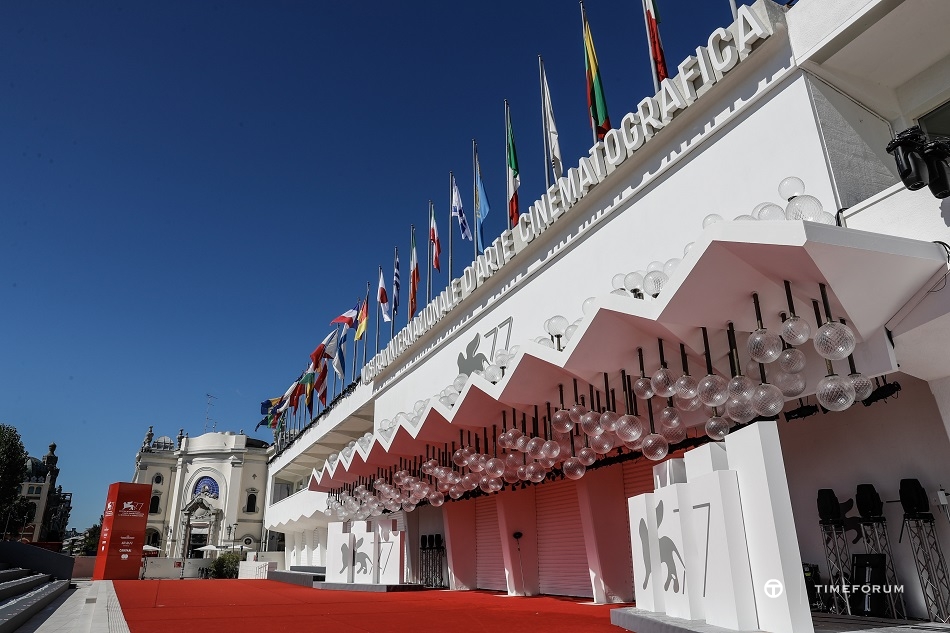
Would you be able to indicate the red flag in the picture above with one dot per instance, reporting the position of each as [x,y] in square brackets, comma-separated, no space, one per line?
[434,238]
[657,58]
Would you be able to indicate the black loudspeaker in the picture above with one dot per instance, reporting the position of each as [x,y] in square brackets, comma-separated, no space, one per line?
[438,540]
[869,502]
[913,497]
[424,544]
[907,150]
[868,572]
[431,539]
[828,507]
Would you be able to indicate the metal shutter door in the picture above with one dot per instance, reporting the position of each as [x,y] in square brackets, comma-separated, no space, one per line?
[562,558]
[637,477]
[489,563]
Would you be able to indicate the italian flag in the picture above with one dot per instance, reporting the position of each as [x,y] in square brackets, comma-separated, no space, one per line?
[596,102]
[413,276]
[514,177]
[657,59]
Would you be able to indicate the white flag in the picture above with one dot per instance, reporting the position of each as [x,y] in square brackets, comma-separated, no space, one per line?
[553,145]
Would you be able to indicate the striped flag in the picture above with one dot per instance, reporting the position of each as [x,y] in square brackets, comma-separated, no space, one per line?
[348,318]
[413,275]
[554,148]
[326,349]
[481,207]
[434,238]
[596,102]
[514,177]
[382,298]
[362,319]
[459,212]
[396,284]
[320,385]
[657,58]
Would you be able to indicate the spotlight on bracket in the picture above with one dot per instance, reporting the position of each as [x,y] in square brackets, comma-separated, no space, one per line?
[885,391]
[801,412]
[906,148]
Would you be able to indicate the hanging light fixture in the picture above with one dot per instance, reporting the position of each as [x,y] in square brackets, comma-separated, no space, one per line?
[834,392]
[833,340]
[790,380]
[654,447]
[767,400]
[664,379]
[862,384]
[630,427]
[741,388]
[713,389]
[686,397]
[642,386]
[555,327]
[795,330]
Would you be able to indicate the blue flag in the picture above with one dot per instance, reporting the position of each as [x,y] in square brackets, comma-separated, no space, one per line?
[481,207]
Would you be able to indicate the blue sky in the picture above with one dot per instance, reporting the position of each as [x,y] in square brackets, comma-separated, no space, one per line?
[191,191]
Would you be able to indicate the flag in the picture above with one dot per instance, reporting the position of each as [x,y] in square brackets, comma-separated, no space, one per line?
[657,58]
[553,146]
[459,212]
[596,103]
[348,317]
[288,396]
[396,284]
[320,385]
[514,178]
[381,297]
[413,275]
[362,319]
[269,404]
[481,207]
[308,379]
[326,349]
[338,359]
[434,238]
[295,396]
[277,421]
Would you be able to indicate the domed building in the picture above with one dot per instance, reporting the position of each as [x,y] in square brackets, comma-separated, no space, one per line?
[52,505]
[206,490]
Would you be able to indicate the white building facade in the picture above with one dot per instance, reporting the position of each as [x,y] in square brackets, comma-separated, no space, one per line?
[816,92]
[206,490]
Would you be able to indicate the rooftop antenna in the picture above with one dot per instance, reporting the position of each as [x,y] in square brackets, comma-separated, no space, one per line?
[208,412]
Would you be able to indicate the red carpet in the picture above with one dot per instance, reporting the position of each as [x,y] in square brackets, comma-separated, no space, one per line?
[265,606]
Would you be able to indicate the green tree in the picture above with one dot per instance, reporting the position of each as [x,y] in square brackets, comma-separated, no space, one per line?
[21,512]
[12,469]
[226,565]
[90,539]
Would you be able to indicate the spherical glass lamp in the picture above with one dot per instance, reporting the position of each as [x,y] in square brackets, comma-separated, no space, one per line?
[587,456]
[609,420]
[770,212]
[629,428]
[459,382]
[590,423]
[764,346]
[713,390]
[826,218]
[535,444]
[502,358]
[791,187]
[456,491]
[550,450]
[643,388]
[796,330]
[664,382]
[655,447]
[569,332]
[768,400]
[557,325]
[687,404]
[803,207]
[577,411]
[686,386]
[603,443]
[712,218]
[688,248]
[495,467]
[655,265]
[862,386]
[653,282]
[633,281]
[741,389]
[617,281]
[477,464]
[573,468]
[669,416]
[834,341]
[670,266]
[791,360]
[745,217]
[588,306]
[493,373]
[717,428]
[741,411]
[674,434]
[561,421]
[835,393]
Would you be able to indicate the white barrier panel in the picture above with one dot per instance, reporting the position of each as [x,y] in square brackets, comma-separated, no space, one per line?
[339,554]
[390,554]
[646,550]
[364,548]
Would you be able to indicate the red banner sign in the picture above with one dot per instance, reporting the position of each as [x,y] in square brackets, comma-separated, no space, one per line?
[119,554]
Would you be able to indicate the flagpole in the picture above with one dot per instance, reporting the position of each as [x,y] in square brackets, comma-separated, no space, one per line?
[507,193]
[646,23]
[429,266]
[365,338]
[379,310]
[478,225]
[412,228]
[544,126]
[450,229]
[735,10]
[395,301]
[593,126]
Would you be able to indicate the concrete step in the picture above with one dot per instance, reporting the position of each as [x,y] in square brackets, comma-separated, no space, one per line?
[14,573]
[12,588]
[15,612]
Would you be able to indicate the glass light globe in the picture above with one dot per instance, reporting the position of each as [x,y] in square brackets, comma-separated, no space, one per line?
[764,346]
[588,306]
[655,266]
[453,398]
[826,218]
[494,467]
[741,411]
[511,476]
[674,434]
[862,386]
[655,447]
[617,281]
[602,444]
[670,266]
[561,421]
[546,342]
[796,330]
[485,483]
[643,388]
[556,325]
[663,382]
[713,390]
[791,187]
[550,450]
[741,388]
[477,464]
[744,218]
[590,423]
[573,468]
[835,393]
[535,444]
[495,484]
[456,491]
[419,406]
[629,428]
[620,292]
[633,281]
[687,404]
[459,383]
[712,218]
[686,386]
[609,421]
[834,341]
[502,358]
[513,435]
[791,360]
[569,332]
[768,400]
[688,248]
[587,456]
[653,282]
[668,416]
[576,412]
[493,373]
[717,428]
[523,474]
[803,208]
[771,212]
